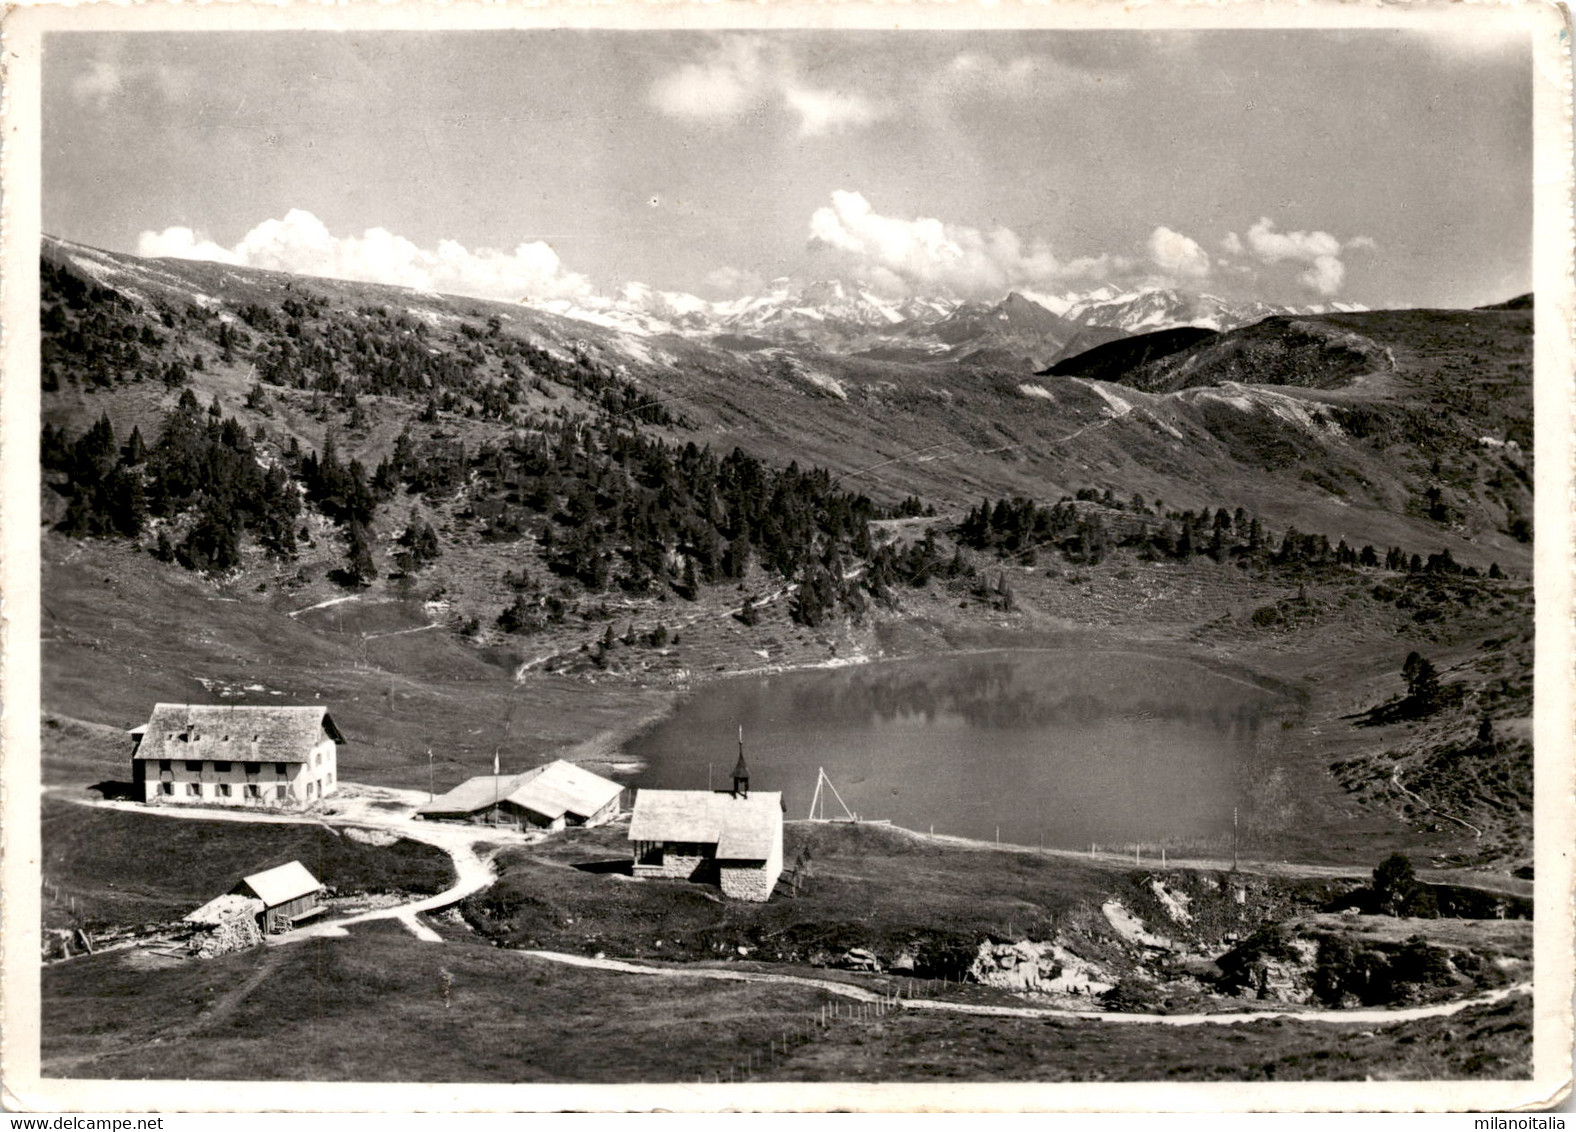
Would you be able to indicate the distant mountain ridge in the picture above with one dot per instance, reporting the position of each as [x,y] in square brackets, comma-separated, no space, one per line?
[1416,449]
[1024,329]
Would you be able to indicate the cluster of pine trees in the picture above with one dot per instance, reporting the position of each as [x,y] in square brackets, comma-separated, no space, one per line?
[613,507]
[202,463]
[90,335]
[95,337]
[1084,528]
[484,373]
[610,505]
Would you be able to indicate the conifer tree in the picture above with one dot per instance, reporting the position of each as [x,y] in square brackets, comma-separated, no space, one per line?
[135,452]
[359,567]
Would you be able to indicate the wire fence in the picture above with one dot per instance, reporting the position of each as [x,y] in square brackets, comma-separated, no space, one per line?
[799,1031]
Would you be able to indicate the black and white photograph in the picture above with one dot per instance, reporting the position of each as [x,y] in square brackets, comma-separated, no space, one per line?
[915,551]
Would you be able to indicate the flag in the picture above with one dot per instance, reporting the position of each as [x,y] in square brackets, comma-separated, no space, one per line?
[495,763]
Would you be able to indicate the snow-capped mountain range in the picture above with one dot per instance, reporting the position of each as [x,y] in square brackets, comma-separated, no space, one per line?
[834,316]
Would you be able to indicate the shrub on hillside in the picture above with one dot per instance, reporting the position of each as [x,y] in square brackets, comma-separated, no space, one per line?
[1398,892]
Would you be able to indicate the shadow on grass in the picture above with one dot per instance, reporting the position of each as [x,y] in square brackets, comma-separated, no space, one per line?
[112,791]
[621,867]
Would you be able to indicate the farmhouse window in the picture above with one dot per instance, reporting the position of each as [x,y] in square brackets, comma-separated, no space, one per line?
[253,790]
[224,789]
[281,768]
[254,768]
[221,765]
[282,792]
[164,766]
[194,764]
[194,789]
[166,788]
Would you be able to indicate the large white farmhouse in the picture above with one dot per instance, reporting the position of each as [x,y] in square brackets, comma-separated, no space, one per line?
[236,755]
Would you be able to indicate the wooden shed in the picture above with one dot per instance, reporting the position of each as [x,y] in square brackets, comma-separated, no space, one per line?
[289,894]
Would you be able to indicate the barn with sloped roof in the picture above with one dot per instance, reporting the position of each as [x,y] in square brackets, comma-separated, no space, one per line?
[275,900]
[553,796]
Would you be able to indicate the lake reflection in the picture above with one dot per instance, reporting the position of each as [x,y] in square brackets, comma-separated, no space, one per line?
[1070,746]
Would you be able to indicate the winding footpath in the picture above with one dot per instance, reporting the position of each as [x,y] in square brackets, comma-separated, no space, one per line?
[359,810]
[861,994]
[473,872]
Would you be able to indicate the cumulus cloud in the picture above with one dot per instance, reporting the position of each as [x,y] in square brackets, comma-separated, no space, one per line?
[724,86]
[1318,251]
[898,255]
[110,71]
[1232,244]
[977,74]
[302,244]
[746,75]
[1272,246]
[733,281]
[99,83]
[825,111]
[1325,275]
[1178,255]
[183,243]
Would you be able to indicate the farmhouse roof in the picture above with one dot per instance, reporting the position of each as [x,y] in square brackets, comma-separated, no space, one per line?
[743,827]
[282,883]
[237,732]
[552,790]
[563,788]
[471,795]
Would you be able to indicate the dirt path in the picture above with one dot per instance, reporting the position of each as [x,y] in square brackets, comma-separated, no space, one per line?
[220,1009]
[359,809]
[1464,878]
[1395,780]
[473,873]
[847,990]
[324,604]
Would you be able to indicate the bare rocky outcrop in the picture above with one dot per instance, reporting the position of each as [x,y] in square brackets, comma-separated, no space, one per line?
[1039,968]
[1272,967]
[1131,928]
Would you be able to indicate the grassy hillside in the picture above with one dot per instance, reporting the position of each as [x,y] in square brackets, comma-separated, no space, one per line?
[947,435]
[109,868]
[1112,361]
[380,1005]
[582,567]
[1485,1043]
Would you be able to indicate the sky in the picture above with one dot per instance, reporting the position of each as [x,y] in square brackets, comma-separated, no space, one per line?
[1381,167]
